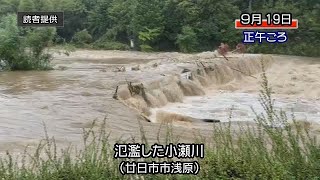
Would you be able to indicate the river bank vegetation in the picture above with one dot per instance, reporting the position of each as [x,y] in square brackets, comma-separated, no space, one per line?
[152,25]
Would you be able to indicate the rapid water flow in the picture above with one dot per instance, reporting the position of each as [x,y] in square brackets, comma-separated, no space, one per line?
[80,90]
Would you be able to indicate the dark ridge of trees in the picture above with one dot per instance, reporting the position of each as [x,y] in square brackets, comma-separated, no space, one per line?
[168,25]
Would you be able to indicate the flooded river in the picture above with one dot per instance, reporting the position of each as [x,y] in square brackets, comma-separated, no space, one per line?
[80,90]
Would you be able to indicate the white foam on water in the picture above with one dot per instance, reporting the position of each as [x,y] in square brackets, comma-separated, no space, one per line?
[219,106]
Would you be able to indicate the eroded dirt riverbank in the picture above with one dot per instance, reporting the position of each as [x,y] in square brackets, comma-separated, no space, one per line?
[81,89]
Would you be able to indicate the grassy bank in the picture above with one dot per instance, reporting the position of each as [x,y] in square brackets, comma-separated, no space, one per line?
[253,152]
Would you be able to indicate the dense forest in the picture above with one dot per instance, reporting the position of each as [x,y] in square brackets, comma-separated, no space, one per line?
[154,25]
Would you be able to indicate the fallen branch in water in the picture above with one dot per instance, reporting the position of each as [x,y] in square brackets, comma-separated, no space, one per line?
[238,69]
[115,95]
[129,87]
[202,65]
[225,57]
[242,72]
[206,68]
[141,114]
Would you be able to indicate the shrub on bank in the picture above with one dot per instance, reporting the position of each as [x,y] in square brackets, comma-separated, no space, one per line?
[253,152]
[107,42]
[187,41]
[82,38]
[111,46]
[23,48]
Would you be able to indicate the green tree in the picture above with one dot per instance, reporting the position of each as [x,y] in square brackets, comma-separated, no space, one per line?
[82,38]
[75,17]
[26,5]
[38,39]
[147,37]
[187,40]
[300,41]
[98,19]
[173,25]
[148,18]
[8,6]
[217,24]
[23,52]
[169,25]
[120,13]
[44,5]
[10,43]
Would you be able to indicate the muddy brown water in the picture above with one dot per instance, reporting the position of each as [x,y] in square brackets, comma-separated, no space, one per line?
[80,90]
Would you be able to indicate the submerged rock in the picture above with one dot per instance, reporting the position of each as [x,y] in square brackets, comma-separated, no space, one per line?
[187,75]
[135,68]
[62,68]
[186,70]
[120,69]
